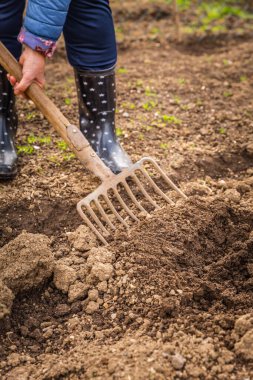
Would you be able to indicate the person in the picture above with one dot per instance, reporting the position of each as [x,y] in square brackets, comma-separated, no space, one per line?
[88,30]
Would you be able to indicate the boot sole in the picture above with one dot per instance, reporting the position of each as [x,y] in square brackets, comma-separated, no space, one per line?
[7,177]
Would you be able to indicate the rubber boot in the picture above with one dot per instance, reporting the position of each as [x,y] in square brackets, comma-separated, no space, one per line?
[97,104]
[8,128]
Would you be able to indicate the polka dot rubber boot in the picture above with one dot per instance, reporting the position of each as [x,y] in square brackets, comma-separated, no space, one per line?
[8,128]
[97,104]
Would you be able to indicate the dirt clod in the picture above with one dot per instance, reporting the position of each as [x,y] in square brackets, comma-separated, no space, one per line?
[6,299]
[64,276]
[82,239]
[77,291]
[26,262]
[244,347]
[178,361]
[92,307]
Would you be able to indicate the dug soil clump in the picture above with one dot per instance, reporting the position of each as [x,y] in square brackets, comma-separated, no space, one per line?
[25,263]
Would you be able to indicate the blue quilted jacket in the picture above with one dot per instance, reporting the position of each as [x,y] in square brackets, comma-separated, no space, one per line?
[45,18]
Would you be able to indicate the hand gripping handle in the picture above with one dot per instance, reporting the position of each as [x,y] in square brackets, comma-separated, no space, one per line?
[70,134]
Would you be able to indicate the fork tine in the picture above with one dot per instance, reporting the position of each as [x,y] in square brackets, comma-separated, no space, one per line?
[91,225]
[124,206]
[159,191]
[165,177]
[133,198]
[114,211]
[103,213]
[94,216]
[144,192]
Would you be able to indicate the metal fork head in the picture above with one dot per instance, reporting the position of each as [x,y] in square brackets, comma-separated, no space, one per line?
[99,221]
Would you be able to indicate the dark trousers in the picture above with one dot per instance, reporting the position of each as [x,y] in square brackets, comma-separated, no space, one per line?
[88,32]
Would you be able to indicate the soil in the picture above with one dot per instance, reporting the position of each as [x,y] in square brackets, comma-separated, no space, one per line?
[172,298]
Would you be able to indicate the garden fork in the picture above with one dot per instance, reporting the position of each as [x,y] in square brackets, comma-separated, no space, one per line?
[107,197]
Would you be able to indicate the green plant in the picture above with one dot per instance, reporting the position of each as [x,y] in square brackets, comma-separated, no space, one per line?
[222,131]
[164,145]
[68,156]
[122,70]
[170,119]
[54,159]
[182,4]
[62,145]
[25,149]
[149,92]
[243,78]
[150,105]
[67,101]
[119,132]
[227,94]
[181,81]
[44,140]
[30,115]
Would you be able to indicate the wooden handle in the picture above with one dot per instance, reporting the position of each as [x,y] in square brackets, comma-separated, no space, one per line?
[70,134]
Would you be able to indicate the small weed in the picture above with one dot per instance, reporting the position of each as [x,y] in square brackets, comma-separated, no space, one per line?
[119,132]
[129,106]
[30,116]
[25,149]
[181,81]
[199,102]
[54,159]
[139,83]
[227,62]
[222,131]
[45,140]
[184,107]
[177,99]
[67,101]
[182,4]
[227,94]
[164,145]
[148,127]
[154,31]
[243,78]
[122,70]
[170,119]
[150,105]
[68,156]
[70,80]
[62,145]
[149,92]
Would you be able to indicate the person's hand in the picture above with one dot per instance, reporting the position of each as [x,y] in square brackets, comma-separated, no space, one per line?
[33,71]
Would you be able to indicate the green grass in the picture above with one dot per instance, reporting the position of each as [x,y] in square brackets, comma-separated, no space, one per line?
[211,16]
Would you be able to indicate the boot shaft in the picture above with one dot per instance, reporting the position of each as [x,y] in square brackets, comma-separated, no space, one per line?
[7,101]
[97,96]
[97,106]
[6,92]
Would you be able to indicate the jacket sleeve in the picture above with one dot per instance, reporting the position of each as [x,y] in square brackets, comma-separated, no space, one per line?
[43,24]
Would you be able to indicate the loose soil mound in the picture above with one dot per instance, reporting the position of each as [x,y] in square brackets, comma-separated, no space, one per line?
[168,309]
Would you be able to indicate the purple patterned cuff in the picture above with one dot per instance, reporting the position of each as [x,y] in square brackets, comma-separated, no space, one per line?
[45,47]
